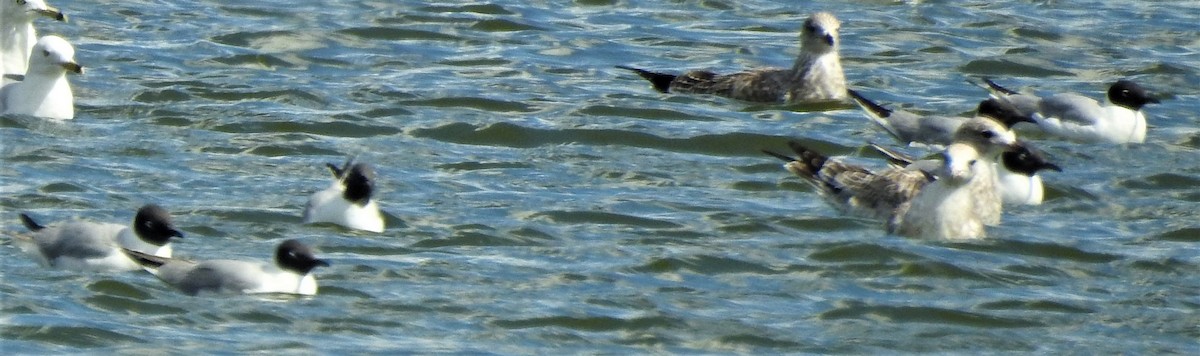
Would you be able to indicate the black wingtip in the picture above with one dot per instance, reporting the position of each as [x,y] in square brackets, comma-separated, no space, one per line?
[30,224]
[337,172]
[893,156]
[661,81]
[997,87]
[870,105]
[811,159]
[144,259]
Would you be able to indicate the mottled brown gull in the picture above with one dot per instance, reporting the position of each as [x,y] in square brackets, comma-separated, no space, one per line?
[815,76]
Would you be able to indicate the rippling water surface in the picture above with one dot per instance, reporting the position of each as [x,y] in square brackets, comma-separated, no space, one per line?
[541,201]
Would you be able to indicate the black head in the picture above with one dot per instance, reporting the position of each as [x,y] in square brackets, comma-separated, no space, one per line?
[1129,94]
[153,225]
[1026,160]
[295,256]
[360,183]
[1002,111]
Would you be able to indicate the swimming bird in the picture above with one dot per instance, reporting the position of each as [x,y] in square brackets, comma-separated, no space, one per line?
[45,91]
[876,194]
[909,128]
[348,200]
[815,76]
[944,208]
[1017,173]
[91,246]
[1084,119]
[291,272]
[17,35]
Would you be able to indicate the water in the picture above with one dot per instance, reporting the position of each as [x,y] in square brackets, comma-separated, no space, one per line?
[541,201]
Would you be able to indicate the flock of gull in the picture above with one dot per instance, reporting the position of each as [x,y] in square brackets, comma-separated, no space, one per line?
[979,165]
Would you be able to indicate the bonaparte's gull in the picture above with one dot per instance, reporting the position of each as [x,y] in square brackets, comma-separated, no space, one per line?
[90,246]
[909,128]
[1084,119]
[17,35]
[44,92]
[815,76]
[348,200]
[290,273]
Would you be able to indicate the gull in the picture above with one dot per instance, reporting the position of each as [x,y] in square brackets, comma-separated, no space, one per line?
[877,194]
[90,246]
[944,208]
[816,75]
[347,201]
[45,91]
[290,274]
[17,35]
[1017,173]
[910,129]
[1084,119]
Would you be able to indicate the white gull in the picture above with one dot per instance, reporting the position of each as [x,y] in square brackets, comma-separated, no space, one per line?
[45,91]
[17,34]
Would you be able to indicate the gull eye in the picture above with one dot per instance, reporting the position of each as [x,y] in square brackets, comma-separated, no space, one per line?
[987,134]
[45,53]
[971,163]
[20,2]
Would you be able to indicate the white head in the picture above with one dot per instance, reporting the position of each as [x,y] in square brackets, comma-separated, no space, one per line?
[820,33]
[52,55]
[27,9]
[988,136]
[958,164]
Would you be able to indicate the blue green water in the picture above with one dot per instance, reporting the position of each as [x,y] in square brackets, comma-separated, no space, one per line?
[541,201]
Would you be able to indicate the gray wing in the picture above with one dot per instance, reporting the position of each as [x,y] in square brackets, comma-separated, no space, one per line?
[78,240]
[1071,107]
[762,85]
[213,276]
[1026,104]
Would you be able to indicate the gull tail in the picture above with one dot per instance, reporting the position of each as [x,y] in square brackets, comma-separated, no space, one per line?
[808,163]
[30,224]
[995,89]
[661,81]
[147,261]
[895,158]
[876,113]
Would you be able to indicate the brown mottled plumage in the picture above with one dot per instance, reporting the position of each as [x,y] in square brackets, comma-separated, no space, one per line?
[815,76]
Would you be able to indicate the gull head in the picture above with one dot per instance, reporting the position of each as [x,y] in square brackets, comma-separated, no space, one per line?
[1025,159]
[1002,111]
[820,33]
[51,55]
[958,164]
[295,256]
[986,135]
[359,180]
[1129,94]
[29,8]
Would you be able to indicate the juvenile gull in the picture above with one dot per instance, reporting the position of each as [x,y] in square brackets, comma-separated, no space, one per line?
[815,76]
[944,208]
[347,201]
[290,273]
[45,91]
[17,35]
[1084,119]
[909,128]
[91,246]
[876,194]
[1017,173]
